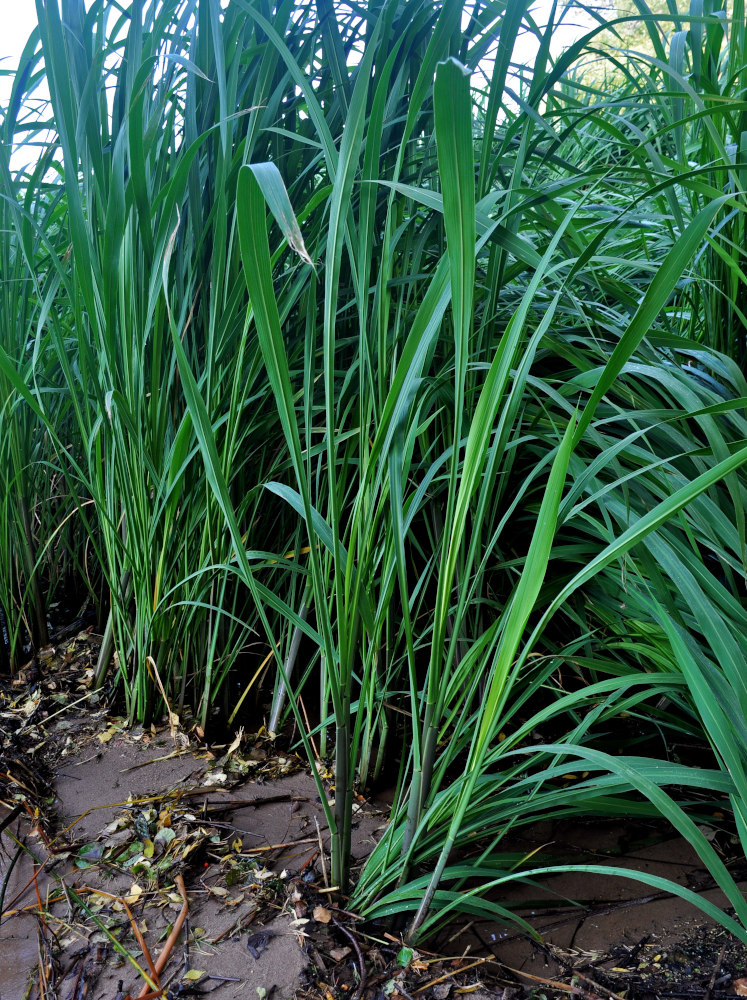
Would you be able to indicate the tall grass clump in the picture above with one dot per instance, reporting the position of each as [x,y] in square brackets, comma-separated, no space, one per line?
[39,550]
[370,361]
[146,152]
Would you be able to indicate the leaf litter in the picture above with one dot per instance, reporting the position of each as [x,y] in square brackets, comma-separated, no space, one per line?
[141,863]
[152,863]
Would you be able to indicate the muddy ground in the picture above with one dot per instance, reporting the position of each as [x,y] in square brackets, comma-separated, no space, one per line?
[132,855]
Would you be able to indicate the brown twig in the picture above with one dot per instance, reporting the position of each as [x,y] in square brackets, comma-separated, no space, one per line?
[716,970]
[553,954]
[78,980]
[565,987]
[309,861]
[308,730]
[254,800]
[449,975]
[238,925]
[153,760]
[276,847]
[43,985]
[143,946]
[359,953]
[321,853]
[172,938]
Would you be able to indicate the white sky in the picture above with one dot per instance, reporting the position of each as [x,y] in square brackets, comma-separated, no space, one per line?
[18,18]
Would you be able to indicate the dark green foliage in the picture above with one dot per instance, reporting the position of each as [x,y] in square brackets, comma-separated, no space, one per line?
[331,337]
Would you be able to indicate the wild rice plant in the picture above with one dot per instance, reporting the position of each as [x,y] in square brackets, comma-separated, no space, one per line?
[142,173]
[387,368]
[32,491]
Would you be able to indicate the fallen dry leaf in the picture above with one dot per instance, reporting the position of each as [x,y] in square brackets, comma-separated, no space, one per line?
[339,953]
[740,987]
[236,742]
[134,894]
[322,915]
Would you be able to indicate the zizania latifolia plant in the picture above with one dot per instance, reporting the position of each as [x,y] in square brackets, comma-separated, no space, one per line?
[359,363]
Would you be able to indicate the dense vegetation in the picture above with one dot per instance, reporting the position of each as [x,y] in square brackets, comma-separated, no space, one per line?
[329,364]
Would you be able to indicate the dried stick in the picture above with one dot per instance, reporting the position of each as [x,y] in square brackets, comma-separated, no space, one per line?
[716,970]
[143,946]
[172,938]
[353,939]
[321,852]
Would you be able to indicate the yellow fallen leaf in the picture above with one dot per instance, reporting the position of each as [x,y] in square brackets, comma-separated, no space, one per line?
[193,974]
[134,894]
[148,847]
[236,742]
[98,899]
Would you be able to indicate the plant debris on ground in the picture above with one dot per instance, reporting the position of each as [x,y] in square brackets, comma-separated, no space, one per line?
[171,897]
